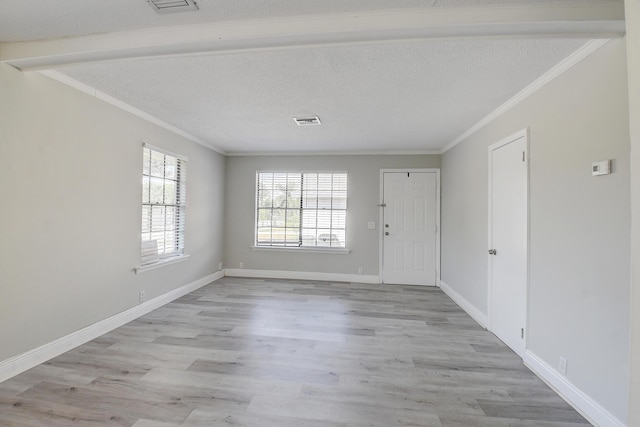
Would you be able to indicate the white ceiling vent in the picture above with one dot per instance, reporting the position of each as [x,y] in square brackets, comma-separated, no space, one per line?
[307,121]
[169,6]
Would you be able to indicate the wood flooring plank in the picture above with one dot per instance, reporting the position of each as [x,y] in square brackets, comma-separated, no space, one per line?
[188,395]
[125,407]
[215,417]
[310,409]
[41,373]
[396,398]
[21,411]
[548,412]
[461,420]
[289,333]
[268,371]
[152,423]
[215,381]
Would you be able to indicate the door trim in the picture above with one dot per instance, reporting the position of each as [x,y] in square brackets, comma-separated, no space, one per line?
[524,133]
[381,218]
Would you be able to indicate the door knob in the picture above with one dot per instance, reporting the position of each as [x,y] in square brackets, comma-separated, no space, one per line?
[386,226]
[386,233]
[492,252]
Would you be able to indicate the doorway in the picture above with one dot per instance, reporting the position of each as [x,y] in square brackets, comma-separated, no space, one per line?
[508,240]
[410,226]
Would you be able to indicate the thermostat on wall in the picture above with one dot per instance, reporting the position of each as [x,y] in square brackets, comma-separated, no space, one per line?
[602,167]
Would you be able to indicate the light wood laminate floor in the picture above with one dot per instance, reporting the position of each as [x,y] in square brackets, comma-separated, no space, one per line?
[280,353]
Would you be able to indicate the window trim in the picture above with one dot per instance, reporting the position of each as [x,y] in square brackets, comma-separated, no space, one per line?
[172,258]
[317,249]
[310,249]
[161,263]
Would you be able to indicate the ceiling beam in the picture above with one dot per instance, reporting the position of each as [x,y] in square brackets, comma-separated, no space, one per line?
[604,19]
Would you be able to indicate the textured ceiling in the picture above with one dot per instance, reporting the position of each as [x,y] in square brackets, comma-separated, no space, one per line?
[377,95]
[395,96]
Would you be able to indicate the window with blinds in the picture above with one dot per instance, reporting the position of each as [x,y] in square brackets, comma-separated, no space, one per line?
[163,204]
[301,209]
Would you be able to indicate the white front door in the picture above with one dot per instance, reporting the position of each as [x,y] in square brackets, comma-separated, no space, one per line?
[508,229]
[409,228]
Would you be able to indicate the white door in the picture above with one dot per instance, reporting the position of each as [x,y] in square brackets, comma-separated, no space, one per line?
[508,225]
[409,228]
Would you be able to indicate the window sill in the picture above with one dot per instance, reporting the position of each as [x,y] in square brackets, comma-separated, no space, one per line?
[161,263]
[317,250]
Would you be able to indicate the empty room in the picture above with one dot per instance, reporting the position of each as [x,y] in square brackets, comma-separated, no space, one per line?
[323,214]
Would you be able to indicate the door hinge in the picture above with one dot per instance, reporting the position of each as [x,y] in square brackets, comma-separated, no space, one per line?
[522,333]
[523,156]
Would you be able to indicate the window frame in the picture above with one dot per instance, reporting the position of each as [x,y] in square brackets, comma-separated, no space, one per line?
[164,257]
[343,249]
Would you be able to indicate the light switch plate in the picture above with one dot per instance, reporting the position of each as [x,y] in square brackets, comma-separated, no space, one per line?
[602,167]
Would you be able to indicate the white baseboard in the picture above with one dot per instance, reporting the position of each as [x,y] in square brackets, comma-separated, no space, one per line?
[32,358]
[471,310]
[302,275]
[582,403]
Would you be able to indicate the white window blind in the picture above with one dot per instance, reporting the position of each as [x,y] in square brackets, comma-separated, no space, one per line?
[303,209]
[163,204]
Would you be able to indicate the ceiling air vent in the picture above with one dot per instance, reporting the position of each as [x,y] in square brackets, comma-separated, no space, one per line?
[169,6]
[307,121]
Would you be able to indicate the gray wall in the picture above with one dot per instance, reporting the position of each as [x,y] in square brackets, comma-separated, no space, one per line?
[633,65]
[70,174]
[363,198]
[579,224]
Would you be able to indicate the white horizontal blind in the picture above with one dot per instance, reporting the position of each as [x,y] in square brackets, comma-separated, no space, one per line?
[306,209]
[163,205]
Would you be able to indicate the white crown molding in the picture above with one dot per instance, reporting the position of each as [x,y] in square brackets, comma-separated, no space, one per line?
[570,61]
[63,78]
[333,153]
[302,275]
[30,359]
[470,309]
[589,408]
[601,19]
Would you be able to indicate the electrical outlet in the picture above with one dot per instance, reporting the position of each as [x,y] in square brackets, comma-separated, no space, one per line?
[359,270]
[220,266]
[241,265]
[562,366]
[142,296]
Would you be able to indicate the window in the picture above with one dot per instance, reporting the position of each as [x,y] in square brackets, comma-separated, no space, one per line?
[297,209]
[163,204]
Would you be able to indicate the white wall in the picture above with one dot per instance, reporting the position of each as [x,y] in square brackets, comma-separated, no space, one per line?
[363,199]
[70,216]
[633,63]
[579,229]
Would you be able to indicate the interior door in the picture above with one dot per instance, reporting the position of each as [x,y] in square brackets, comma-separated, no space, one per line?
[409,228]
[508,230]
